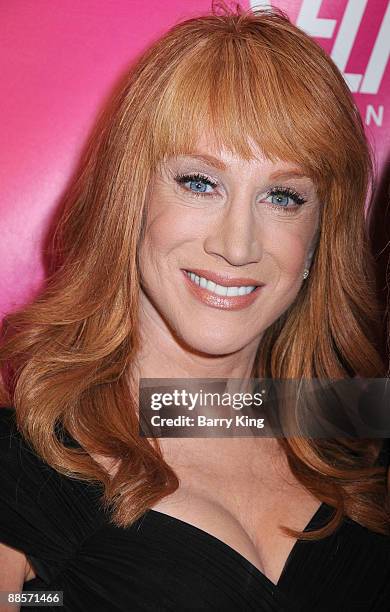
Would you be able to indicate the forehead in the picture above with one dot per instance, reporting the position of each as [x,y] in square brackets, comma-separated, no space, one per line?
[207,144]
[206,150]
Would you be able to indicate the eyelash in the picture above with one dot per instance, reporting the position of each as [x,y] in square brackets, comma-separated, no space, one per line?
[181,179]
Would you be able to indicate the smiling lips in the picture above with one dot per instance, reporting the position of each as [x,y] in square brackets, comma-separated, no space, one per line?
[221,291]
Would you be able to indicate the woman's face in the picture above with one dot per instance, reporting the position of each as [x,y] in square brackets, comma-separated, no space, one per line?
[234,225]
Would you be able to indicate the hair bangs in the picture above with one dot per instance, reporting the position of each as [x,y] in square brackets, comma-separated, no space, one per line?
[248,100]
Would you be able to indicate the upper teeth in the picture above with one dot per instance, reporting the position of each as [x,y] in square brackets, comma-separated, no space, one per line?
[220,289]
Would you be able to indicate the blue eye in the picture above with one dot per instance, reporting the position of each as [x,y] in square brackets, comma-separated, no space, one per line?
[198,183]
[198,186]
[281,196]
[280,199]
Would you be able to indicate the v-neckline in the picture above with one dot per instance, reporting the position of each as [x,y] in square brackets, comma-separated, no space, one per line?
[323,508]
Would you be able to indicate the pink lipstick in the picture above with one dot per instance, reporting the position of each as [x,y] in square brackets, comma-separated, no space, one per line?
[207,287]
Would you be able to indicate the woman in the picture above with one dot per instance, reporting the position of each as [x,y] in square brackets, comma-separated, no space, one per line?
[233,156]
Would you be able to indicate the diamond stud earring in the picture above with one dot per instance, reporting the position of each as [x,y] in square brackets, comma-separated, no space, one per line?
[305,273]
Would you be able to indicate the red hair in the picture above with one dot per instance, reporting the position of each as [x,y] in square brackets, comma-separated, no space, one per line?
[250,78]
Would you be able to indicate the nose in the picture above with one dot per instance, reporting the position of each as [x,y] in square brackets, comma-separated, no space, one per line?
[235,236]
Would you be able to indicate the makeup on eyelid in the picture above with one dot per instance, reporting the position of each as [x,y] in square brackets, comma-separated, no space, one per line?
[281,192]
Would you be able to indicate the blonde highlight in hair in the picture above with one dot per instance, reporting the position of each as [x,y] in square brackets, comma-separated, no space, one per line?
[251,79]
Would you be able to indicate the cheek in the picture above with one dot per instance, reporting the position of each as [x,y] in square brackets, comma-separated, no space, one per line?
[168,227]
[287,249]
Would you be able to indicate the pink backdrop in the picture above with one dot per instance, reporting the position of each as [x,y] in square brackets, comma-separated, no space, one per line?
[59,60]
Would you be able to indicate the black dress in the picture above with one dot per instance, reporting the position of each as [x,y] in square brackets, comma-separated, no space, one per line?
[162,563]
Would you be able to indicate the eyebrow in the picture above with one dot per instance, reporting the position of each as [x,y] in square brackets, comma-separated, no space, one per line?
[209,159]
[218,163]
[285,174]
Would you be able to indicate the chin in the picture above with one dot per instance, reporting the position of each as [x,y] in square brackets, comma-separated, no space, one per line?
[216,344]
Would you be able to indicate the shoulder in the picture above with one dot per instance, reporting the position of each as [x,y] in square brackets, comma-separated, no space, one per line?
[362,561]
[19,461]
[7,421]
[14,450]
[23,463]
[42,512]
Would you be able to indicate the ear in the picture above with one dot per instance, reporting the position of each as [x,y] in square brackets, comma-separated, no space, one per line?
[309,257]
[313,246]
